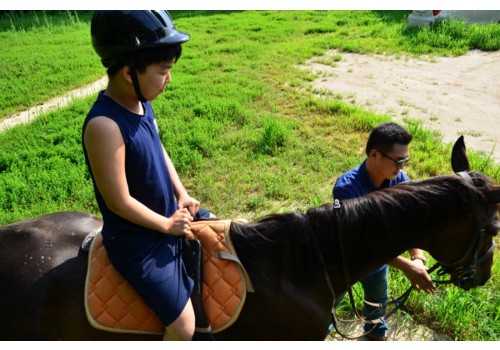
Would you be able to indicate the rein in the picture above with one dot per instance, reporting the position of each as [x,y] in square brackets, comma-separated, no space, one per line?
[399,302]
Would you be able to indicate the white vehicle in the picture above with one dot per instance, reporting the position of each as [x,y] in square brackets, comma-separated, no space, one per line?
[420,18]
[429,17]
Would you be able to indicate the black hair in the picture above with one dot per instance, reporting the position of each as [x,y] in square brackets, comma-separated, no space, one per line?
[385,135]
[141,59]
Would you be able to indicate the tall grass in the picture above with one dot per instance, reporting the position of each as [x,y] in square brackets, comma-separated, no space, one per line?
[239,121]
[457,36]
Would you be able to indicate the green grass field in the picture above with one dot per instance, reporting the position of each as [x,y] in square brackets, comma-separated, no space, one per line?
[245,133]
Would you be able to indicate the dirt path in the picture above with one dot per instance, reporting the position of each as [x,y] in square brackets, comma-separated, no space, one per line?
[453,95]
[401,328]
[57,102]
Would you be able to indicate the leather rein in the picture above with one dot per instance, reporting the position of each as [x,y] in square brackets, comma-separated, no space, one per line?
[459,271]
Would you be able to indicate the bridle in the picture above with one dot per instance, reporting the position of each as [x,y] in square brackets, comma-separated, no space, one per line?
[460,271]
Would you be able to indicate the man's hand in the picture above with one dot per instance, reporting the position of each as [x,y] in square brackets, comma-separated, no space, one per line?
[416,272]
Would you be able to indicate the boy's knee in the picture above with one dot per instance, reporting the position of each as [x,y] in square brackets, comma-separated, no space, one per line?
[179,332]
[183,327]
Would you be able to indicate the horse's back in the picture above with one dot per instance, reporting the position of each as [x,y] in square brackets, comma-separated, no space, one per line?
[54,224]
[31,247]
[42,266]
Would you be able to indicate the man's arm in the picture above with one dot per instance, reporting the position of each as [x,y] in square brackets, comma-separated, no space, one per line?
[415,270]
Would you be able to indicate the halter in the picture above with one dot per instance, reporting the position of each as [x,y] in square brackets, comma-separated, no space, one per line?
[459,271]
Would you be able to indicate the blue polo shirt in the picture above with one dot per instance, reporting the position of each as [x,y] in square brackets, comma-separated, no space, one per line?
[356,182]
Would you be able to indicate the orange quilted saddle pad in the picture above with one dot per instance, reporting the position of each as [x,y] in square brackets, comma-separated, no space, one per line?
[111,304]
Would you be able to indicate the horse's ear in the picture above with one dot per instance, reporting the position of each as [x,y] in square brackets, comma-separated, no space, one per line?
[459,161]
[494,195]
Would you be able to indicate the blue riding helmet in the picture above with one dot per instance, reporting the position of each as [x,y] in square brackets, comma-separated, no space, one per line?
[115,33]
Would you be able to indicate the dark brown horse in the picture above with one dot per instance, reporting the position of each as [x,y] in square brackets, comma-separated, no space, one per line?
[289,257]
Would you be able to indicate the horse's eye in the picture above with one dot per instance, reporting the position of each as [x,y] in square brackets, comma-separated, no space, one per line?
[493,229]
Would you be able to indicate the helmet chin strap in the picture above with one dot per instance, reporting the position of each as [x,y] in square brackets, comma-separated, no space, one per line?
[135,80]
[135,83]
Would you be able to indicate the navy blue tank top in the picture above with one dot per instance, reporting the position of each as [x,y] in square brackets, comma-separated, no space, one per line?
[147,175]
[150,260]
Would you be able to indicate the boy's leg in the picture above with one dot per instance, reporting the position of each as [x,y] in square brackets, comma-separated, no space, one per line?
[183,327]
[204,214]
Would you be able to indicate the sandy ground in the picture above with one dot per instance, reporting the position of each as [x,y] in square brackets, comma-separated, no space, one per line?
[453,95]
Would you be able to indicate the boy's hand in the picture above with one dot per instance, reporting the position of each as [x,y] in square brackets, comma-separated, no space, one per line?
[181,222]
[190,203]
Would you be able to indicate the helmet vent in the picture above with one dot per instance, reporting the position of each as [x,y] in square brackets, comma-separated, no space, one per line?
[160,18]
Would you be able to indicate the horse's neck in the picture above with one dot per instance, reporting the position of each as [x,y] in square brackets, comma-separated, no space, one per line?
[370,241]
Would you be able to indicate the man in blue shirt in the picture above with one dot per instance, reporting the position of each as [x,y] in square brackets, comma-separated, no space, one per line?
[387,152]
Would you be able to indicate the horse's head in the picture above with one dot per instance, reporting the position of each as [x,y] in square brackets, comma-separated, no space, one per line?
[472,267]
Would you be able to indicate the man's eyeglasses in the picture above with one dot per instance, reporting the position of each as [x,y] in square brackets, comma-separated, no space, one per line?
[399,163]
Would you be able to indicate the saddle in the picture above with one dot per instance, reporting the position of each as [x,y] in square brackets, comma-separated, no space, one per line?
[221,284]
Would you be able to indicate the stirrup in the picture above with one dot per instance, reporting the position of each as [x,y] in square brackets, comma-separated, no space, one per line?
[191,254]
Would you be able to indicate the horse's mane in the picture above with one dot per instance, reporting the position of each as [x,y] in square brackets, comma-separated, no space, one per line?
[274,229]
[411,206]
[281,240]
[414,206]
